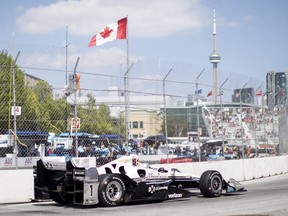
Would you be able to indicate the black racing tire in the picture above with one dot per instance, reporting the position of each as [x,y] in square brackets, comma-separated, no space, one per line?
[59,198]
[211,183]
[111,190]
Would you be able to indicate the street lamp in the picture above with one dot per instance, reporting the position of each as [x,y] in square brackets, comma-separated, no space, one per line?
[14,106]
[254,121]
[210,117]
[263,115]
[75,107]
[164,100]
[127,103]
[198,136]
[274,137]
[241,110]
[222,119]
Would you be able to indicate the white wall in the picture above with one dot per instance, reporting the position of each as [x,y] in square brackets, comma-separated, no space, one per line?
[16,185]
[241,170]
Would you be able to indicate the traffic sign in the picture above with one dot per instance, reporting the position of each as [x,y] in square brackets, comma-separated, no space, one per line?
[75,123]
[17,110]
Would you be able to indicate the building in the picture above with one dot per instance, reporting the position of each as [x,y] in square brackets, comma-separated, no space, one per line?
[276,88]
[145,116]
[244,96]
[144,123]
[31,81]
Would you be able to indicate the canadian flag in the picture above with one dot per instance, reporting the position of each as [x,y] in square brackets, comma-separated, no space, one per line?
[111,32]
[209,94]
[258,93]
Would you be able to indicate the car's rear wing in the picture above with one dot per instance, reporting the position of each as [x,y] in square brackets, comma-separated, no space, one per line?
[74,181]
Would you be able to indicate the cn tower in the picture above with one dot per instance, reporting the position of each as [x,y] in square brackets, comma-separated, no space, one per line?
[214,59]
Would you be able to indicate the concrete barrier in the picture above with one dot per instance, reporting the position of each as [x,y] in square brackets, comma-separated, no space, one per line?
[241,170]
[17,184]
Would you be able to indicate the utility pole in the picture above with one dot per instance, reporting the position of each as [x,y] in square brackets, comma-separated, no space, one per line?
[14,105]
[75,108]
[197,102]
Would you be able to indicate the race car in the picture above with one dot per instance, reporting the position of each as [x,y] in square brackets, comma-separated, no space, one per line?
[79,181]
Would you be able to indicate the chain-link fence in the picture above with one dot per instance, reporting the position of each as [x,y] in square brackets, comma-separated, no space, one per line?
[96,102]
[283,126]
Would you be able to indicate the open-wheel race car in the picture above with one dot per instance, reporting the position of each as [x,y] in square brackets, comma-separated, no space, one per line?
[78,181]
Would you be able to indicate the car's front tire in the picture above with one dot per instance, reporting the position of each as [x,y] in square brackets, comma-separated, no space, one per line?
[211,183]
[111,190]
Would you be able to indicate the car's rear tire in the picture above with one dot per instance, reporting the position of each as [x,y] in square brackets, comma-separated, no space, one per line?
[111,190]
[59,198]
[211,183]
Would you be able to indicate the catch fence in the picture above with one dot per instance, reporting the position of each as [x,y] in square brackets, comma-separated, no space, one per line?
[47,91]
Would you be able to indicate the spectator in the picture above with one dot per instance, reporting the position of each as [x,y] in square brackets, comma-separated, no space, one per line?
[249,152]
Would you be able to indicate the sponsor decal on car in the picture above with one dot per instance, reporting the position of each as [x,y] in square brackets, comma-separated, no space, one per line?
[154,188]
[55,166]
[175,195]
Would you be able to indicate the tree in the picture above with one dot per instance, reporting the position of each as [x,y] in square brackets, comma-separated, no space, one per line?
[176,126]
[53,113]
[89,116]
[40,112]
[6,90]
[97,120]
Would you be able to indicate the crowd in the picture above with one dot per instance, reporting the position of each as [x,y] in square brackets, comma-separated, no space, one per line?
[257,125]
[249,132]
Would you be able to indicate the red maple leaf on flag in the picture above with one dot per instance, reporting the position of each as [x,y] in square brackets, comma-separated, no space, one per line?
[106,32]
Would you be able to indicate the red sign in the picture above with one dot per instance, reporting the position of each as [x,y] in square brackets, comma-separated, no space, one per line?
[75,123]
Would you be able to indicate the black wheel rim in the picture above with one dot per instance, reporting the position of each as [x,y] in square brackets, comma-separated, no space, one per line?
[114,191]
[216,184]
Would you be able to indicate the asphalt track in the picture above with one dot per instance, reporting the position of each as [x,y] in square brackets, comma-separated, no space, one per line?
[266,197]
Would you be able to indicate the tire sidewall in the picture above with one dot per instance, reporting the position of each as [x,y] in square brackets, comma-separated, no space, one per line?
[59,198]
[216,176]
[206,183]
[103,196]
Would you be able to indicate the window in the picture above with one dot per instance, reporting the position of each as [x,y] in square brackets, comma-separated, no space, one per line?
[141,124]
[135,124]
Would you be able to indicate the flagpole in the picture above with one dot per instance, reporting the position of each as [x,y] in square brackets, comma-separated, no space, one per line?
[66,76]
[127,87]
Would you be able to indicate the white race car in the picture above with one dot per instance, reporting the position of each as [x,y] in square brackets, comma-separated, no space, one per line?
[78,181]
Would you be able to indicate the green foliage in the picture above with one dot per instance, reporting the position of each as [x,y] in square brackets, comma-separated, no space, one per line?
[176,126]
[98,120]
[6,89]
[41,112]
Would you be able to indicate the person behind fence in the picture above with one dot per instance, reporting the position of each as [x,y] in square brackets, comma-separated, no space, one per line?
[81,150]
[239,152]
[156,145]
[195,151]
[249,152]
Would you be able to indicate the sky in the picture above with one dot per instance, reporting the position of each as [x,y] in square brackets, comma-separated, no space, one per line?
[251,34]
